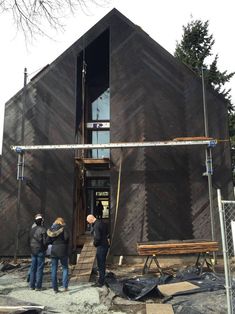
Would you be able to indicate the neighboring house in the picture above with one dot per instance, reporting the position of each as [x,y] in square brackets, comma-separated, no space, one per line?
[132,90]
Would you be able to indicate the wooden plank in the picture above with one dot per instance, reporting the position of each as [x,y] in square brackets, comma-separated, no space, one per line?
[14,308]
[175,252]
[177,248]
[173,288]
[175,241]
[153,308]
[198,248]
[177,244]
[196,138]
[92,161]
[83,269]
[89,259]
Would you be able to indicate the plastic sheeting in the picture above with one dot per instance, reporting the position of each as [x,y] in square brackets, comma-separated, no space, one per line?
[139,287]
[135,288]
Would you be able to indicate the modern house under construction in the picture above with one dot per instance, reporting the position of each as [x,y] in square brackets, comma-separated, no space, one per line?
[114,85]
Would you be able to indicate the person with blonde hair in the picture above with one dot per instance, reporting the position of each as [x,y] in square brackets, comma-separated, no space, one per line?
[58,237]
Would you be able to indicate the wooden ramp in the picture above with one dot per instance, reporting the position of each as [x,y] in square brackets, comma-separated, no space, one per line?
[83,268]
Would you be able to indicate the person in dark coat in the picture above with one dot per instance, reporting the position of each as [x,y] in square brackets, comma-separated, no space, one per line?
[38,249]
[99,210]
[101,243]
[58,237]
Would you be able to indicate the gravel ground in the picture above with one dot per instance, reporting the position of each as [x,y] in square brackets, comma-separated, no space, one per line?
[85,299]
[81,298]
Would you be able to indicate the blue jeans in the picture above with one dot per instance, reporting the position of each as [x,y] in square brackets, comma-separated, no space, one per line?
[101,253]
[54,267]
[36,270]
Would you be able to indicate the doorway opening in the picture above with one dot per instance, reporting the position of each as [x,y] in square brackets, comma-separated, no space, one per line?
[97,191]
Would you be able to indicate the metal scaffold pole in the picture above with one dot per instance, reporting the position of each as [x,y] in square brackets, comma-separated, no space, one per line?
[20,170]
[209,168]
[228,287]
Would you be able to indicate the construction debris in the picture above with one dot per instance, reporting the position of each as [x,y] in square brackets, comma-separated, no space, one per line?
[184,292]
[174,288]
[159,309]
[4,266]
[20,308]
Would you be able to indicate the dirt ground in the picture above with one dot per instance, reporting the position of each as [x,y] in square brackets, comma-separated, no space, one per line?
[85,299]
[81,297]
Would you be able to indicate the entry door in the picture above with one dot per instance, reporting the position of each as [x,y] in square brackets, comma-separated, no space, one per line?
[93,198]
[97,189]
[103,196]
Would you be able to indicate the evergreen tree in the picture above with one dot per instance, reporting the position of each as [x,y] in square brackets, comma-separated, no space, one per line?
[195,48]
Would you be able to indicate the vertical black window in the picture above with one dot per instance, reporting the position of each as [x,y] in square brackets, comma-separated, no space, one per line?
[97,115]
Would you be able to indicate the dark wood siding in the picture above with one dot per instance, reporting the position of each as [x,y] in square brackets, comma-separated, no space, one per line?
[48,186]
[163,194]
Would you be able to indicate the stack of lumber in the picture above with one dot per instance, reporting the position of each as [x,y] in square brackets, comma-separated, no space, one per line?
[195,138]
[174,248]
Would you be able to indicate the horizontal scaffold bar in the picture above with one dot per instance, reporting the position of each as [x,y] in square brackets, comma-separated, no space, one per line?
[19,149]
[227,202]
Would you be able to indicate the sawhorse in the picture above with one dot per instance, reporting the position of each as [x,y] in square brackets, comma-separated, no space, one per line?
[202,259]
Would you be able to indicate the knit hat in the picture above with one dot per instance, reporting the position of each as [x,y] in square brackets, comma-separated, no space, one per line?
[38,216]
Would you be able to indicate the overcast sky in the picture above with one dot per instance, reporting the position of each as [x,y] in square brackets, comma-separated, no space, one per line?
[162,20]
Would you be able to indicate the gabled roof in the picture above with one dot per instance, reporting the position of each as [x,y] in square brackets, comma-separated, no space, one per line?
[84,41]
[92,34]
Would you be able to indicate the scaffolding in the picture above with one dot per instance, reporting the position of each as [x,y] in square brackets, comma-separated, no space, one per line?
[208,143]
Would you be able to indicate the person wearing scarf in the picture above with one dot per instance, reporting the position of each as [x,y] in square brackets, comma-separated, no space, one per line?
[58,237]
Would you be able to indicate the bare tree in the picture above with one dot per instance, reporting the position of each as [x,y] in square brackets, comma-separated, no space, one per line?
[35,16]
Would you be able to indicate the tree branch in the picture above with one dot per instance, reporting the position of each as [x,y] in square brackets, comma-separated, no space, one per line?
[33,17]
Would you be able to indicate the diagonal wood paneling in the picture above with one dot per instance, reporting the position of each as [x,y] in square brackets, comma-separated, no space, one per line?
[153,97]
[163,193]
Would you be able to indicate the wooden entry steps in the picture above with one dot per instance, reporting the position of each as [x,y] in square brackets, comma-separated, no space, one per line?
[82,270]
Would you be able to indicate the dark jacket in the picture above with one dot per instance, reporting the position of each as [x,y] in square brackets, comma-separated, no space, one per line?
[58,236]
[38,239]
[100,233]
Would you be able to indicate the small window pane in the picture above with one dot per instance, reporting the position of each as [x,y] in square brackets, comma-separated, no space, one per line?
[101,107]
[100,137]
